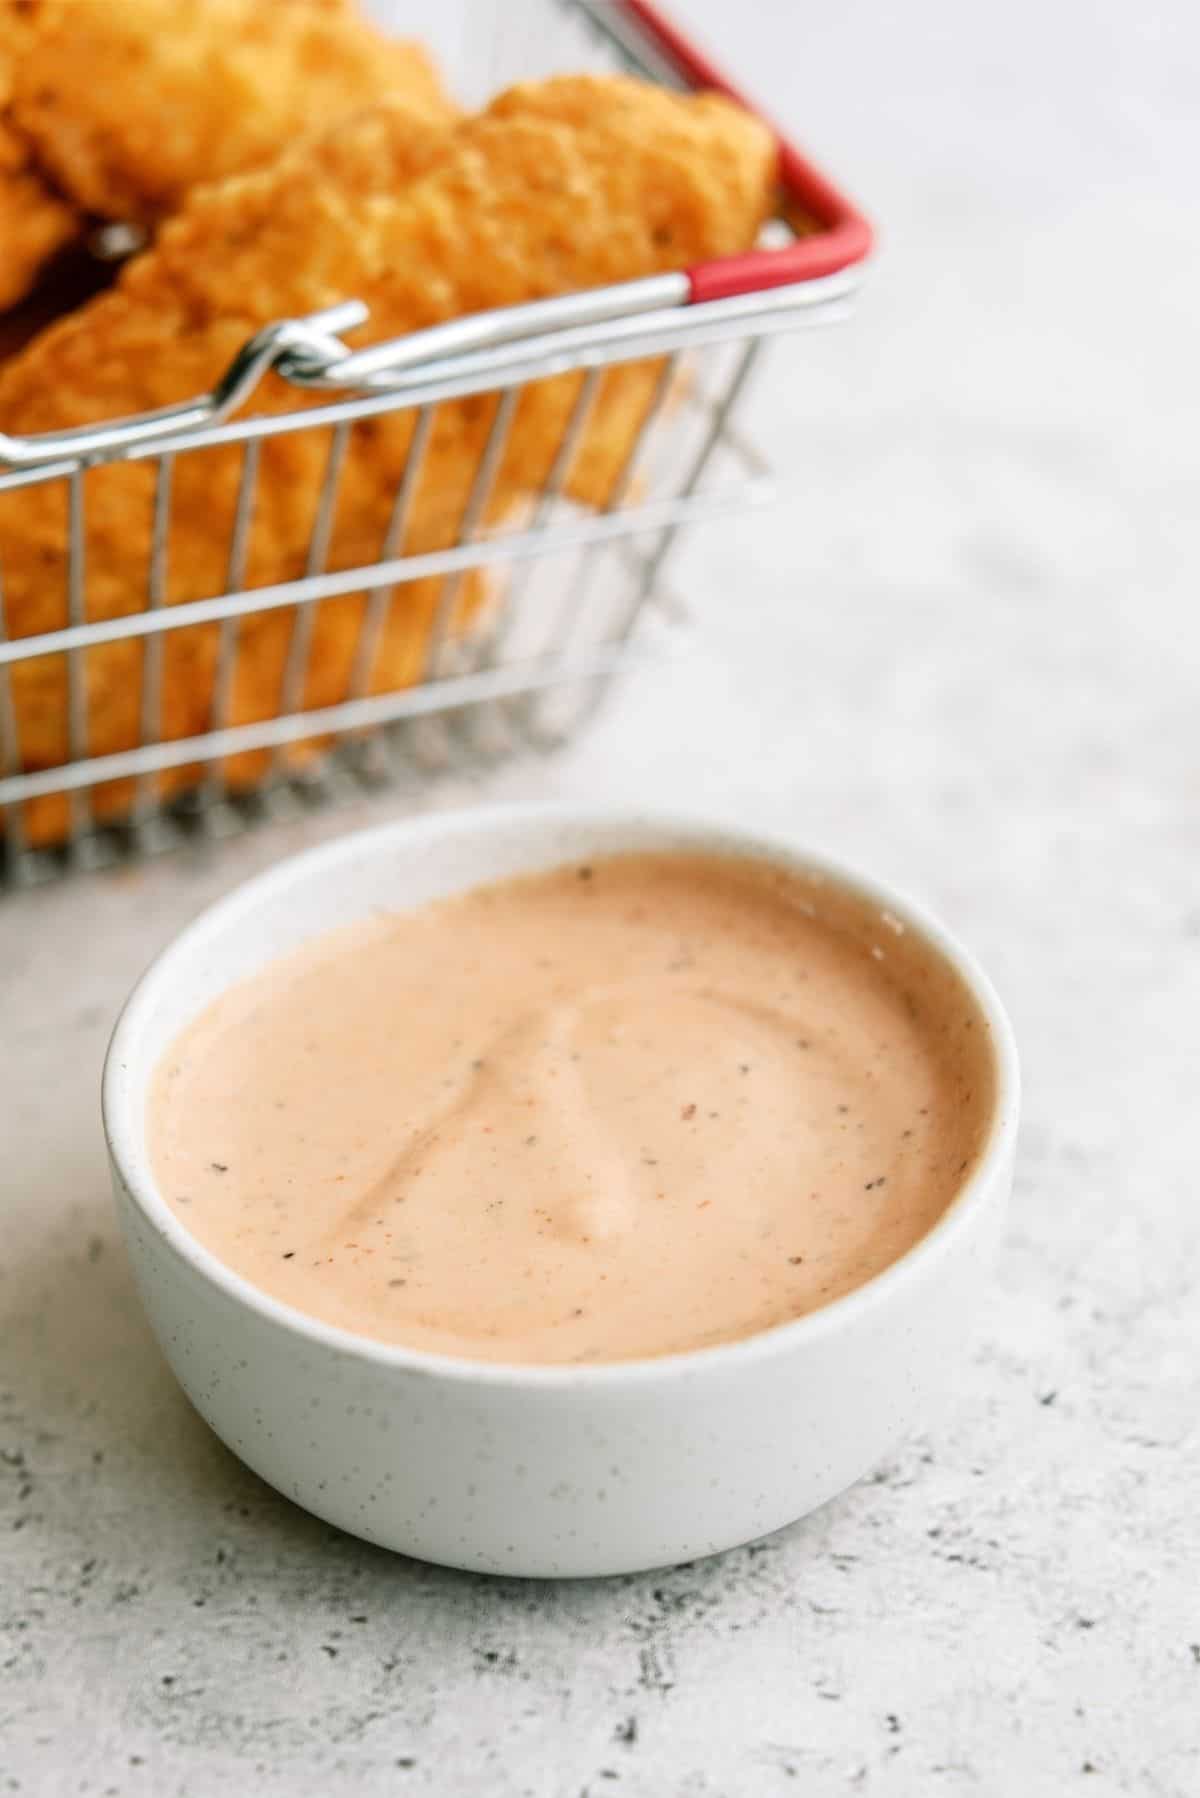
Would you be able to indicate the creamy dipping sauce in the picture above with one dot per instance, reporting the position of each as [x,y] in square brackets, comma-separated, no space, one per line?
[616,1110]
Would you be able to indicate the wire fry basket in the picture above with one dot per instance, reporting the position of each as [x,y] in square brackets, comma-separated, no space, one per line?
[526,621]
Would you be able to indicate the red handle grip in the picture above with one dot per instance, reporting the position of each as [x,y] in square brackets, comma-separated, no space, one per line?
[843,236]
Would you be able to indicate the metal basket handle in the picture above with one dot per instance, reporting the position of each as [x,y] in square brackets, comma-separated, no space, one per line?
[506,343]
[486,350]
[842,235]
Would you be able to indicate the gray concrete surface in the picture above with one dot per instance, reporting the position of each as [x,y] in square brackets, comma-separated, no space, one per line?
[965,653]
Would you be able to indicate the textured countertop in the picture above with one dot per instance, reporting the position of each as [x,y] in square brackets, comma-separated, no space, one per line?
[964,653]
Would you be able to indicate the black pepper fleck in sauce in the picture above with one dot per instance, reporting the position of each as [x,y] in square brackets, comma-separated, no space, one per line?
[426,1057]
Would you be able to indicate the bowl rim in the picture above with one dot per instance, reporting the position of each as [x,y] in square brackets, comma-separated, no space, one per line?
[123,1098]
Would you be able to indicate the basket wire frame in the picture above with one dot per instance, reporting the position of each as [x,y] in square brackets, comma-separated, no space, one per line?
[567,587]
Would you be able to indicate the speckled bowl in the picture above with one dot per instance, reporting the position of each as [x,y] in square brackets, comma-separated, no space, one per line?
[534,1470]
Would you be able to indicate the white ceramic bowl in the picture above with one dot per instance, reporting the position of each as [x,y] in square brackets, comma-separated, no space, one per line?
[533,1470]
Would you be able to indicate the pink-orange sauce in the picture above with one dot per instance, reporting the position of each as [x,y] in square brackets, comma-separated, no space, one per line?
[611,1111]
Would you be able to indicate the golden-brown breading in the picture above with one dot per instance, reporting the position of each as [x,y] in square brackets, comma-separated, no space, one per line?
[128,104]
[34,221]
[561,186]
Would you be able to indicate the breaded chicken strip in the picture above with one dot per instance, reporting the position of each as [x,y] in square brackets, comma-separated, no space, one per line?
[559,186]
[128,104]
[34,222]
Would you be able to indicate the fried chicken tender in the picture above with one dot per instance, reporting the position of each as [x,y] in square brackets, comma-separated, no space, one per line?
[34,221]
[128,104]
[558,186]
[117,108]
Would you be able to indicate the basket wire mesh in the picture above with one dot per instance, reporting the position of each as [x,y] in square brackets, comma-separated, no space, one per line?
[566,586]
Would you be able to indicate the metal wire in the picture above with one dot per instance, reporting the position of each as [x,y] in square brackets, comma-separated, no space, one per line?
[380,598]
[691,482]
[77,732]
[142,434]
[485,732]
[556,475]
[477,499]
[428,700]
[531,711]
[291,690]
[602,527]
[487,671]
[152,653]
[624,37]
[10,754]
[212,794]
[539,640]
[773,310]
